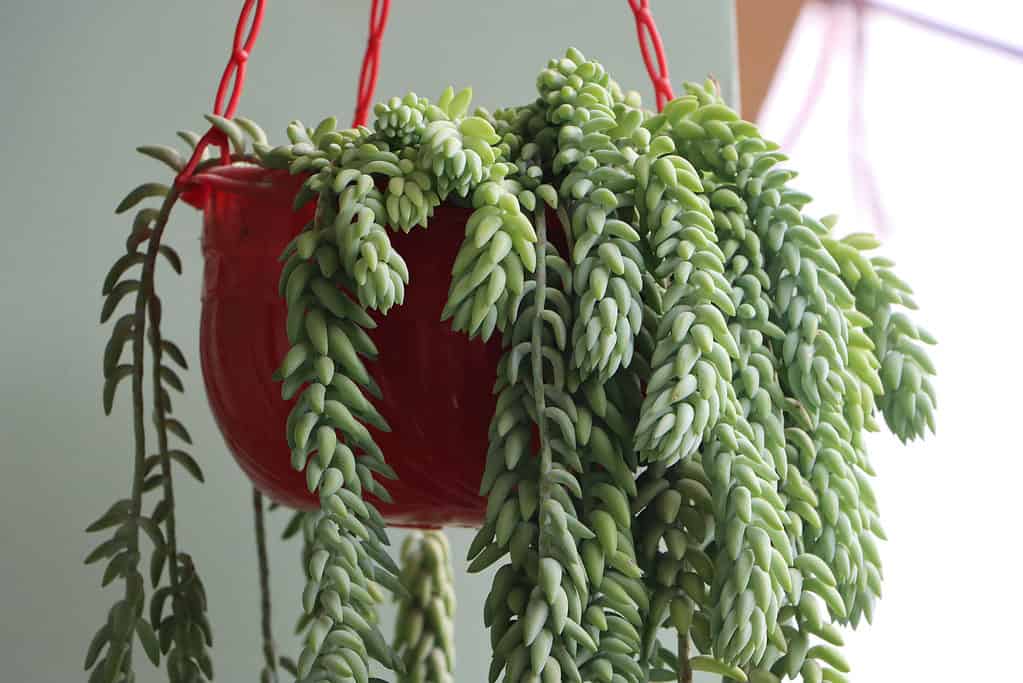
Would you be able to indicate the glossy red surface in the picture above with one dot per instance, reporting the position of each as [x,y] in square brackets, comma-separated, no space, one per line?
[436,383]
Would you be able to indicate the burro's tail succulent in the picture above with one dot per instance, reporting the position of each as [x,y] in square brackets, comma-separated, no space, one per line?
[691,364]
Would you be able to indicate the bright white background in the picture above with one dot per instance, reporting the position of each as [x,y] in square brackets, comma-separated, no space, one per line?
[81,85]
[943,136]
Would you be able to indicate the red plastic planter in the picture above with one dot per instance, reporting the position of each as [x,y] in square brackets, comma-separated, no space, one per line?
[436,383]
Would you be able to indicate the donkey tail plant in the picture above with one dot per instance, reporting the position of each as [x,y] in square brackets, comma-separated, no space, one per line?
[425,637]
[690,365]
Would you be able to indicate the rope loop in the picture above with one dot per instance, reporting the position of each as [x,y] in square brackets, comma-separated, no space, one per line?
[378,14]
[656,64]
[232,79]
[243,44]
[646,32]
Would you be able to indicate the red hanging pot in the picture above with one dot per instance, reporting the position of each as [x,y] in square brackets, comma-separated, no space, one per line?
[436,384]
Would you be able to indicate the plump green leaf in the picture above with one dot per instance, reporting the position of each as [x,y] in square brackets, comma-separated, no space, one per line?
[140,193]
[165,632]
[152,530]
[174,352]
[119,268]
[116,295]
[716,666]
[119,565]
[123,329]
[157,560]
[293,526]
[111,383]
[160,511]
[116,514]
[172,257]
[148,639]
[105,549]
[170,378]
[255,133]
[99,640]
[156,604]
[189,463]
[288,664]
[165,154]
[233,131]
[191,138]
[178,430]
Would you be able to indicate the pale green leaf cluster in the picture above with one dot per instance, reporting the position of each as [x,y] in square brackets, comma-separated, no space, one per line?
[691,364]
[424,633]
[535,610]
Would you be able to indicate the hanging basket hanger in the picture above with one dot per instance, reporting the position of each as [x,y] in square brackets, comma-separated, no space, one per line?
[233,78]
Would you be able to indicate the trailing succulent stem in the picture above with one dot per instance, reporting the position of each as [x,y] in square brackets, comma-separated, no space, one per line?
[425,637]
[182,635]
[269,672]
[535,608]
[348,561]
[691,363]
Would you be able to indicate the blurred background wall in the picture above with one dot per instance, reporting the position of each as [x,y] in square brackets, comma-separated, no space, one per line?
[82,84]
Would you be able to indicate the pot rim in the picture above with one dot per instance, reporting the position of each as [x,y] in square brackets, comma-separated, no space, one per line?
[239,177]
[248,178]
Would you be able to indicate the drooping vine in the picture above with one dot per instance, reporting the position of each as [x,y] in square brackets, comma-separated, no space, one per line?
[182,634]
[535,608]
[691,363]
[269,673]
[425,629]
[578,102]
[326,328]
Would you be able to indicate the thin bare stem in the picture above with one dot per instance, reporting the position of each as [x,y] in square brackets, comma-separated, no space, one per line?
[269,655]
[685,670]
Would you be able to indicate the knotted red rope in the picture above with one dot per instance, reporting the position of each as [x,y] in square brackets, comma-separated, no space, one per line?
[646,29]
[371,61]
[233,78]
[646,32]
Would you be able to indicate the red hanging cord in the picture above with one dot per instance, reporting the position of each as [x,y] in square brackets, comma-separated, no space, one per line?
[239,58]
[234,73]
[233,78]
[371,61]
[646,32]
